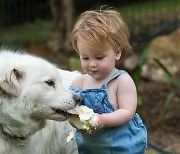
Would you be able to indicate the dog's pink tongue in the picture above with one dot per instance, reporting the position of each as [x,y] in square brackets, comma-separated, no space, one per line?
[73,112]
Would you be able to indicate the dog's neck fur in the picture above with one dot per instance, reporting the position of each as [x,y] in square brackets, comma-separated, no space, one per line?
[19,129]
[17,124]
[20,141]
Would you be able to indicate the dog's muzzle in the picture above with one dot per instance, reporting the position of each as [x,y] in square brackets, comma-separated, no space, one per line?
[77,99]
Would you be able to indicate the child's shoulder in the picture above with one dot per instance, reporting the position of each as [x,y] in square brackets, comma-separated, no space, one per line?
[124,77]
[125,80]
[78,81]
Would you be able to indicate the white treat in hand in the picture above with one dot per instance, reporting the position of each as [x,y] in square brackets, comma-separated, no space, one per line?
[85,119]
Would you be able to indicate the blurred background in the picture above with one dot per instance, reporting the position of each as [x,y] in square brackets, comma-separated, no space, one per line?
[42,27]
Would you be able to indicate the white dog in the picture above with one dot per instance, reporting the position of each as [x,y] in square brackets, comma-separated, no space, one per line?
[33,98]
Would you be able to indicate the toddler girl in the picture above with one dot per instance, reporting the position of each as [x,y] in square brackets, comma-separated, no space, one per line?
[101,38]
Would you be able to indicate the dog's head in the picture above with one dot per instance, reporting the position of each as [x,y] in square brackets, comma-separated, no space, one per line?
[32,88]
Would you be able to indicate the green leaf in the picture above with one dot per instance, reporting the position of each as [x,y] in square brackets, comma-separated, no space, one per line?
[172,80]
[139,100]
[136,74]
[165,106]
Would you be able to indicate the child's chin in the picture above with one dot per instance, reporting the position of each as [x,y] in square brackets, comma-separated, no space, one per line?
[97,77]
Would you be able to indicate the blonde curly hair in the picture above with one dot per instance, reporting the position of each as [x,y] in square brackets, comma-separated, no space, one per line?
[102,29]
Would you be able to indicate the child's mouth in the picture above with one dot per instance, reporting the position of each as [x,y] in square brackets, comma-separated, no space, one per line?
[94,72]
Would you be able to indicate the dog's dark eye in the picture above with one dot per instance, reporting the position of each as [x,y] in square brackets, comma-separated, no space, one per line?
[50,83]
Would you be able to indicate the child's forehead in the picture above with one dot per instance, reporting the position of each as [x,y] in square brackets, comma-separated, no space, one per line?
[90,50]
[94,52]
[88,45]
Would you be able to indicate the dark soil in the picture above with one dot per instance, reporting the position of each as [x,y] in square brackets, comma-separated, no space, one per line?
[165,132]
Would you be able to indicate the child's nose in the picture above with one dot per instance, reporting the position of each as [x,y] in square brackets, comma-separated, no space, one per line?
[92,64]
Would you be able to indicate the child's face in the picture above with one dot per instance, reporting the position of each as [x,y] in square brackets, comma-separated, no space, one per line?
[96,63]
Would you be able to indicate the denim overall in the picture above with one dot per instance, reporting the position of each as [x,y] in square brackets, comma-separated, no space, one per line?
[130,138]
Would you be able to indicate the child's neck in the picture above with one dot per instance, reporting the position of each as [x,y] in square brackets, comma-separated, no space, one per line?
[92,83]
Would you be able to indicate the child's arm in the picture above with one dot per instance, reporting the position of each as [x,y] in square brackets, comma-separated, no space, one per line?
[127,103]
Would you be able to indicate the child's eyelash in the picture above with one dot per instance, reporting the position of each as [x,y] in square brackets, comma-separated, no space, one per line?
[99,57]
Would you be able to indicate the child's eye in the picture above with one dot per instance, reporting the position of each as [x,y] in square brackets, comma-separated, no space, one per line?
[85,58]
[99,58]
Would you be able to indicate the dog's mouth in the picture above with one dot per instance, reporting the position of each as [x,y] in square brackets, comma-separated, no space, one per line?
[66,114]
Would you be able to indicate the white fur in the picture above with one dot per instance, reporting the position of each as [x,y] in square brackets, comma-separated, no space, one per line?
[26,102]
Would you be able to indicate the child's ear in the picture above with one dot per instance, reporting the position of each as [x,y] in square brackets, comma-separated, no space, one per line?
[118,55]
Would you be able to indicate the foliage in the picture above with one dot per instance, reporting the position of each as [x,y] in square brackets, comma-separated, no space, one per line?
[147,17]
[167,74]
[136,73]
[147,7]
[172,80]
[165,106]
[38,32]
[169,98]
[75,64]
[21,11]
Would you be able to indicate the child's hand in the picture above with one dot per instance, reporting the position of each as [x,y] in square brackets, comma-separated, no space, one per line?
[101,122]
[84,120]
[100,125]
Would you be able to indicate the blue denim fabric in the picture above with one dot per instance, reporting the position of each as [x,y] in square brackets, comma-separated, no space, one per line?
[130,138]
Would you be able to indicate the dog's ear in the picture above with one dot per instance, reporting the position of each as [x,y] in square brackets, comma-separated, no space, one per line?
[10,82]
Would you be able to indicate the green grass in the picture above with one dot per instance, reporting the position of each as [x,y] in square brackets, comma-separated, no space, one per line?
[149,7]
[38,32]
[150,12]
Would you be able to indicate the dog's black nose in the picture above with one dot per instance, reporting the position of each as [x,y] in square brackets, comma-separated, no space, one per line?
[77,98]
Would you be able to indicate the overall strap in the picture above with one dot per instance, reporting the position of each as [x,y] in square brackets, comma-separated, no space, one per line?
[115,75]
